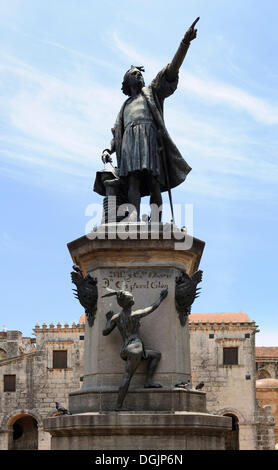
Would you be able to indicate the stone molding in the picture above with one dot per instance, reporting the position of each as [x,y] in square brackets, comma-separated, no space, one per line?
[17,358]
[241,419]
[75,328]
[92,254]
[222,326]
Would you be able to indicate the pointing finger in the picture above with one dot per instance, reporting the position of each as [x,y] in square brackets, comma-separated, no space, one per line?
[194,22]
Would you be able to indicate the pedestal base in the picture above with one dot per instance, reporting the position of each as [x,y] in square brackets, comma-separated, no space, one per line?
[138,399]
[138,430]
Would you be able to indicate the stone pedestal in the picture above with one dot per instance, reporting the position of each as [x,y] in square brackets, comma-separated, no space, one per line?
[138,431]
[144,260]
[144,263]
[138,399]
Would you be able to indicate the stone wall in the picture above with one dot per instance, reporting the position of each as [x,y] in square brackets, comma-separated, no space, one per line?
[13,344]
[230,388]
[265,428]
[52,384]
[267,396]
[38,384]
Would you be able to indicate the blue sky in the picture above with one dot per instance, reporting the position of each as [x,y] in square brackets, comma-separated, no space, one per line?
[61,68]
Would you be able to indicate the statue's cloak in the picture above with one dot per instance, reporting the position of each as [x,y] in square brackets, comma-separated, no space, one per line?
[176,167]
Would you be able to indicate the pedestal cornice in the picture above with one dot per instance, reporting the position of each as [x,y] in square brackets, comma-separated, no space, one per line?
[158,248]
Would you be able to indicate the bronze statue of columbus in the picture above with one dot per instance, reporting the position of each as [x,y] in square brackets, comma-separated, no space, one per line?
[148,161]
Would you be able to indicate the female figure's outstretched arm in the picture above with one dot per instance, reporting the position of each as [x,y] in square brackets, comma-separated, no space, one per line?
[146,311]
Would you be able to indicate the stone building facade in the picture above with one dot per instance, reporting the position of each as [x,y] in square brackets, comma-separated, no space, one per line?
[223,357]
[267,381]
[34,374]
[37,372]
[267,396]
[266,362]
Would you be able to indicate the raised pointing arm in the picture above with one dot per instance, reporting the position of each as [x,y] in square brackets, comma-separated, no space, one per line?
[146,311]
[174,66]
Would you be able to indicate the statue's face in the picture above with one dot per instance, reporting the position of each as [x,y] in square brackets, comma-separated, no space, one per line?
[135,78]
[125,299]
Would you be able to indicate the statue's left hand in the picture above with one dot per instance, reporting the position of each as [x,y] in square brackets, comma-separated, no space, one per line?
[191,33]
[106,156]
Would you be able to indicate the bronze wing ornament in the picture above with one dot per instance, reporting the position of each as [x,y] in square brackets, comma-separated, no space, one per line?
[86,292]
[186,292]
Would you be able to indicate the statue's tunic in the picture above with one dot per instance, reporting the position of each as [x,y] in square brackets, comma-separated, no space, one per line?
[139,145]
[141,139]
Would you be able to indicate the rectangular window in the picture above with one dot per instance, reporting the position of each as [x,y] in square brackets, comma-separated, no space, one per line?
[230,356]
[59,359]
[9,383]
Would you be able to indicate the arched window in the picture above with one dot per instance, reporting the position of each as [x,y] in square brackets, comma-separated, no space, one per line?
[263,374]
[232,437]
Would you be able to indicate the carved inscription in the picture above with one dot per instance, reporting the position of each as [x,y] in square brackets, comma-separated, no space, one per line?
[136,279]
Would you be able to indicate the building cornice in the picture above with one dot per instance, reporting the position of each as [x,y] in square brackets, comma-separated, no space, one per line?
[17,358]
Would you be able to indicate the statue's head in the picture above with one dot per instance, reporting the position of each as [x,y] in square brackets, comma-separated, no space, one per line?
[133,78]
[124,298]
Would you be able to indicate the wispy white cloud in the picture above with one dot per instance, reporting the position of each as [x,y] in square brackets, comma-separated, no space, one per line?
[261,110]
[33,161]
[63,120]
[81,55]
[209,89]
